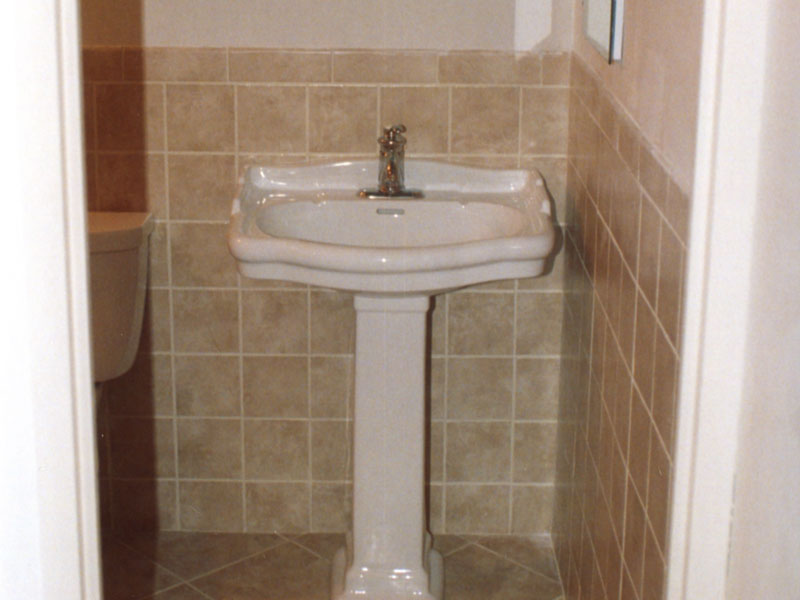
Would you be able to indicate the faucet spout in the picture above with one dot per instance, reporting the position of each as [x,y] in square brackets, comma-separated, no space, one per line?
[391,169]
[391,176]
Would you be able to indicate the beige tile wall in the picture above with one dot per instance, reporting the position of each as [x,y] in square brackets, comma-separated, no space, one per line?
[625,252]
[236,415]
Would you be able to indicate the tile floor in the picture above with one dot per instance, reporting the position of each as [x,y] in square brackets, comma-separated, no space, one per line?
[227,566]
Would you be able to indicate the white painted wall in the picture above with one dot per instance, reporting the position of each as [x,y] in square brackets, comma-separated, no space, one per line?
[374,24]
[766,520]
[48,519]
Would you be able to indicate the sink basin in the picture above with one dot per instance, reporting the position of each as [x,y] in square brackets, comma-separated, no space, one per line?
[307,224]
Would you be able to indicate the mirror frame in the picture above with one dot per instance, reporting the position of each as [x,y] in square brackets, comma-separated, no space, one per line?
[607,39]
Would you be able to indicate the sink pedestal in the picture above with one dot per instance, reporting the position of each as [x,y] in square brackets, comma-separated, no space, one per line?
[390,557]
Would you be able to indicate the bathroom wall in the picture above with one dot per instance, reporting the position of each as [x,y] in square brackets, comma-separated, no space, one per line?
[353,24]
[236,415]
[657,80]
[629,173]
[766,521]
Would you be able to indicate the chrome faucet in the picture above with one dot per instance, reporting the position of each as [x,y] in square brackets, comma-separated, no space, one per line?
[391,171]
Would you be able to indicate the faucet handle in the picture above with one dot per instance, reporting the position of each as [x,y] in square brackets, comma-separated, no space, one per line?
[392,131]
[393,134]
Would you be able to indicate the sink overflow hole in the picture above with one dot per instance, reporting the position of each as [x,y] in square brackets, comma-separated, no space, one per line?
[391,211]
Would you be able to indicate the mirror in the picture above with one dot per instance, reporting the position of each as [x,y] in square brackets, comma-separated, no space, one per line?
[602,25]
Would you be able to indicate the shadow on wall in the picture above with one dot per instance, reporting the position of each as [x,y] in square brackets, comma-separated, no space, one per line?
[118,176]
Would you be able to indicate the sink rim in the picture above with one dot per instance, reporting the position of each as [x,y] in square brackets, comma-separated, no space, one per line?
[388,269]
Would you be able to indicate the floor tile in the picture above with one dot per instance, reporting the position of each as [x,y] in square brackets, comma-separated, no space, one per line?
[321,544]
[220,566]
[182,592]
[127,575]
[446,544]
[537,556]
[190,555]
[474,573]
[286,572]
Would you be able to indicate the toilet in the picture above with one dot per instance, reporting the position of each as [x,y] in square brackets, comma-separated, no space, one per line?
[118,274]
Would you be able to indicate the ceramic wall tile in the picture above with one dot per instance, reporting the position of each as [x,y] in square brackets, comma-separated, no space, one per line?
[169,130]
[478,451]
[279,66]
[480,324]
[207,386]
[342,119]
[275,386]
[331,385]
[200,501]
[534,452]
[384,67]
[332,323]
[275,322]
[424,112]
[271,119]
[532,509]
[200,256]
[544,120]
[539,324]
[331,456]
[129,116]
[134,182]
[537,387]
[277,507]
[102,64]
[201,187]
[476,508]
[200,118]
[205,321]
[479,388]
[276,450]
[330,507]
[209,448]
[632,244]
[490,68]
[485,120]
[176,64]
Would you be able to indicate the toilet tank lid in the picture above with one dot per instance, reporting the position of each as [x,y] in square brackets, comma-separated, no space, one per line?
[114,231]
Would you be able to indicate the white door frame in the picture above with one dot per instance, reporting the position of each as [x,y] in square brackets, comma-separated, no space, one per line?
[718,290]
[48,511]
[48,505]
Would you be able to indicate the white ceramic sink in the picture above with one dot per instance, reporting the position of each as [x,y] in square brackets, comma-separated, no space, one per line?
[307,224]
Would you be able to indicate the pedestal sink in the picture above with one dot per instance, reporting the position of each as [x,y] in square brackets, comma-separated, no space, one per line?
[307,224]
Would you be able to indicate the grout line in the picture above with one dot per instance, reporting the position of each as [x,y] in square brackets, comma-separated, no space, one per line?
[171,303]
[348,419]
[326,84]
[378,106]
[243,454]
[449,122]
[511,560]
[445,408]
[543,357]
[309,428]
[512,424]
[559,575]
[239,316]
[239,560]
[519,125]
[199,591]
[307,117]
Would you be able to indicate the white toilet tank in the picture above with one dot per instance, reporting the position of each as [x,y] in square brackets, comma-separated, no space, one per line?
[118,273]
